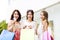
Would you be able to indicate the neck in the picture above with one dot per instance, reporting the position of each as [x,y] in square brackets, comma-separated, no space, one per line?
[29,20]
[42,19]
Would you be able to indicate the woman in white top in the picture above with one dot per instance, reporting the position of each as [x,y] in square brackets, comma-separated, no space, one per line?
[43,33]
[30,23]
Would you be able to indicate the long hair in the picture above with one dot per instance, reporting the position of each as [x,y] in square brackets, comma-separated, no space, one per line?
[45,13]
[32,12]
[19,18]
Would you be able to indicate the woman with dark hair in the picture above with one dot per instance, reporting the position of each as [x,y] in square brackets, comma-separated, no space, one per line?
[16,14]
[29,23]
[31,13]
[43,33]
[15,25]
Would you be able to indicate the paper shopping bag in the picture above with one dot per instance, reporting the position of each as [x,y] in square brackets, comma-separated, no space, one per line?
[6,35]
[27,34]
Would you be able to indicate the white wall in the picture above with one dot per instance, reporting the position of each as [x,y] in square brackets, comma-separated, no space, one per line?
[7,6]
[3,9]
[54,14]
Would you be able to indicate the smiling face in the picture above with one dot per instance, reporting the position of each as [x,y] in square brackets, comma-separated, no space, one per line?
[42,16]
[16,16]
[29,16]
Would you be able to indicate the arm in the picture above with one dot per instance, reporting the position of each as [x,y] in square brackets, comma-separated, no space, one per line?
[36,30]
[10,25]
[45,26]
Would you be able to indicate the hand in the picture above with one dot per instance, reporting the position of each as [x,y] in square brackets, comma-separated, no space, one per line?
[24,27]
[15,19]
[30,27]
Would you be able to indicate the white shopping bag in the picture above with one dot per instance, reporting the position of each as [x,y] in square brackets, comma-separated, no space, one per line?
[27,34]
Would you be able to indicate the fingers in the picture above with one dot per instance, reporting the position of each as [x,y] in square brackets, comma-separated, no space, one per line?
[30,27]
[24,27]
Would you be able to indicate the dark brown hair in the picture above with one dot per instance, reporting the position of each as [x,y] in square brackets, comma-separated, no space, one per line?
[19,18]
[32,12]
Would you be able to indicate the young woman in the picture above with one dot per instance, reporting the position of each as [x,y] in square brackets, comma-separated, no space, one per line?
[30,23]
[15,25]
[43,33]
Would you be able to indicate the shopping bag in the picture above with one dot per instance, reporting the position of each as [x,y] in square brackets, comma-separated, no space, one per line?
[46,36]
[6,35]
[27,34]
[17,35]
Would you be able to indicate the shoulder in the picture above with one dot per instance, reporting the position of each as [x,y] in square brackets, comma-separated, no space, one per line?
[35,22]
[10,21]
